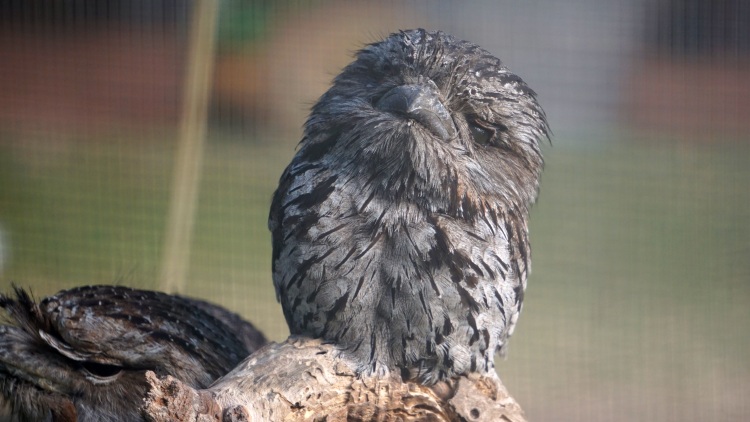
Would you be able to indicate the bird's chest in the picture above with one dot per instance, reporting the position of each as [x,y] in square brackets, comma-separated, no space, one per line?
[366,245]
[416,248]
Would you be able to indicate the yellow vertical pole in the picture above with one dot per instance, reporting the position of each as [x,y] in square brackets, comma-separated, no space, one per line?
[191,142]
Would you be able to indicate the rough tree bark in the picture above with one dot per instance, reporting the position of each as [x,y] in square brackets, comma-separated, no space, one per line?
[306,380]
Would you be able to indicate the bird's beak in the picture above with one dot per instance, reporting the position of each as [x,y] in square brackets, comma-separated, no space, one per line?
[420,102]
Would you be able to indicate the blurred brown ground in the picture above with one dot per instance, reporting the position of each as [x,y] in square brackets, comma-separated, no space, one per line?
[98,77]
[695,98]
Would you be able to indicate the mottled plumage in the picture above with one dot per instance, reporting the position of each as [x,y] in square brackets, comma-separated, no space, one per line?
[82,354]
[400,227]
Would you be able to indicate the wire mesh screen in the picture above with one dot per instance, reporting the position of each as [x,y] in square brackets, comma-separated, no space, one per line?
[638,305]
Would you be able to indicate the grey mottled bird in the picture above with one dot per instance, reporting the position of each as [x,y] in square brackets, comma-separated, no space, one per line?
[81,355]
[400,227]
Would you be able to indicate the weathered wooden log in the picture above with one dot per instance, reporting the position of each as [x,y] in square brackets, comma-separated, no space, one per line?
[308,380]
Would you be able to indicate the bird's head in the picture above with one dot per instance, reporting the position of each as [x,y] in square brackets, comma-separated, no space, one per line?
[434,121]
[83,353]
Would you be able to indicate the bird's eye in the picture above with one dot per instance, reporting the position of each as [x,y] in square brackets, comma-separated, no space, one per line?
[100,372]
[481,134]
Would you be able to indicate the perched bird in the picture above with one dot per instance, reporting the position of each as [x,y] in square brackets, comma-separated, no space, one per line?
[400,227]
[82,354]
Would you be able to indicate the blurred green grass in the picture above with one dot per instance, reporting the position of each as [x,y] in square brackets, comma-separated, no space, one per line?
[638,305]
[639,299]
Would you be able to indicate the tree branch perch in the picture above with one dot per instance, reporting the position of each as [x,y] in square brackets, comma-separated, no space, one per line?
[307,380]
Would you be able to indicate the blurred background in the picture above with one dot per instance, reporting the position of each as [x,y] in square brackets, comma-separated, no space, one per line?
[638,307]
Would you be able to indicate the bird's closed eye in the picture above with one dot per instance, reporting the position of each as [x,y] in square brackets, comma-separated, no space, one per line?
[100,372]
[481,133]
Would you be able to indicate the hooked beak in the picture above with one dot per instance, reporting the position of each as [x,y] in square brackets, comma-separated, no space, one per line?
[420,102]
